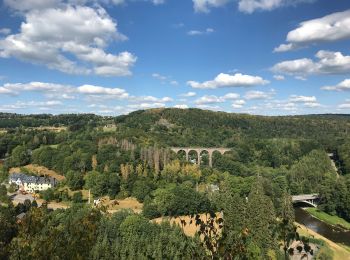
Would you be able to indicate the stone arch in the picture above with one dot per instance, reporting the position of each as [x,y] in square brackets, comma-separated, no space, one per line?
[182,153]
[204,157]
[193,156]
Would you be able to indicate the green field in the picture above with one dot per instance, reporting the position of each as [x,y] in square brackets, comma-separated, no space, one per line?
[329,219]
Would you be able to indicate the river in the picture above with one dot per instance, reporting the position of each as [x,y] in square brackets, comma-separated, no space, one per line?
[335,234]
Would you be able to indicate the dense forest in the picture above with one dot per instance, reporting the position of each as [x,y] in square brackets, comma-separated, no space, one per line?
[270,159]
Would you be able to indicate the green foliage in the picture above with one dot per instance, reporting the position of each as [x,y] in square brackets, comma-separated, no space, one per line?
[75,180]
[77,197]
[20,156]
[3,194]
[48,194]
[261,218]
[176,200]
[308,174]
[103,183]
[8,230]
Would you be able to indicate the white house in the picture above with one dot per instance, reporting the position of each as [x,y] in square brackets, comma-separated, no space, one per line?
[32,183]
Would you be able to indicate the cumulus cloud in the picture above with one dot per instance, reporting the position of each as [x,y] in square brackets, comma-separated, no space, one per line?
[227,80]
[146,106]
[303,99]
[238,103]
[329,28]
[158,76]
[197,32]
[97,90]
[20,5]
[328,63]
[342,86]
[246,6]
[209,99]
[345,105]
[62,91]
[5,31]
[278,77]
[255,94]
[48,35]
[209,107]
[203,6]
[182,106]
[165,79]
[212,99]
[189,94]
[231,96]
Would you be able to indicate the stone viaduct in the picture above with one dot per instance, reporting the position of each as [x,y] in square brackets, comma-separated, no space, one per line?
[199,150]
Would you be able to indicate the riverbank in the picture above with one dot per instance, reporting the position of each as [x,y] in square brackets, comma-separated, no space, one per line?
[329,219]
[339,252]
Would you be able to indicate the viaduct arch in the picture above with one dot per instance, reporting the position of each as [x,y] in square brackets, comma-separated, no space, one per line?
[199,150]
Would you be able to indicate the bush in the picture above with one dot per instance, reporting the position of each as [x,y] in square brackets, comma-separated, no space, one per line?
[77,197]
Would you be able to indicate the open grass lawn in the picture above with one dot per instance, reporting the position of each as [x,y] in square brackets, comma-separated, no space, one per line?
[329,219]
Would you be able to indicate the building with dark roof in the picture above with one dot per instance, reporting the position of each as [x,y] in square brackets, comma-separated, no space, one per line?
[32,183]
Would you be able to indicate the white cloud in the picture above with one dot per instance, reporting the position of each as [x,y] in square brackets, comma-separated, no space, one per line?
[4,90]
[342,86]
[227,80]
[304,99]
[165,79]
[312,104]
[203,6]
[255,94]
[52,90]
[278,77]
[20,5]
[329,28]
[197,32]
[212,99]
[146,105]
[97,90]
[209,107]
[231,96]
[249,6]
[246,6]
[328,63]
[284,47]
[5,31]
[189,94]
[344,106]
[182,106]
[209,99]
[47,36]
[158,76]
[238,103]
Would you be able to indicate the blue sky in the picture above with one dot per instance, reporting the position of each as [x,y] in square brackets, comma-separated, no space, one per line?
[111,57]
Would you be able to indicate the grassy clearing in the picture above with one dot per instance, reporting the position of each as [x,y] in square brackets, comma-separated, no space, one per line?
[38,170]
[329,219]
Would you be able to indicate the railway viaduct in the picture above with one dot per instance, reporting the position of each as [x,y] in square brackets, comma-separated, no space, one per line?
[199,150]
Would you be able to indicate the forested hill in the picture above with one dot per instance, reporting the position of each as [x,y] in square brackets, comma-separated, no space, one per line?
[184,127]
[207,128]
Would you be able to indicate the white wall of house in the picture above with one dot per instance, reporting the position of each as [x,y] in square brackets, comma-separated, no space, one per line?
[31,187]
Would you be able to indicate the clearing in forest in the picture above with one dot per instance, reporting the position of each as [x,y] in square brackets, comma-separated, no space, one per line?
[38,170]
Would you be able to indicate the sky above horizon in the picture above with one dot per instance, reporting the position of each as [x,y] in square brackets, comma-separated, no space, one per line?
[111,57]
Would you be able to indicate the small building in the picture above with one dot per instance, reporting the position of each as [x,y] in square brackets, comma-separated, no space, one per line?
[32,183]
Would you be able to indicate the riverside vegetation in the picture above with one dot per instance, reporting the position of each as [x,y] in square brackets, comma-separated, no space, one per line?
[271,158]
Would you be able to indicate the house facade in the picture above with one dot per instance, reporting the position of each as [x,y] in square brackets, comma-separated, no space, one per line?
[32,183]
